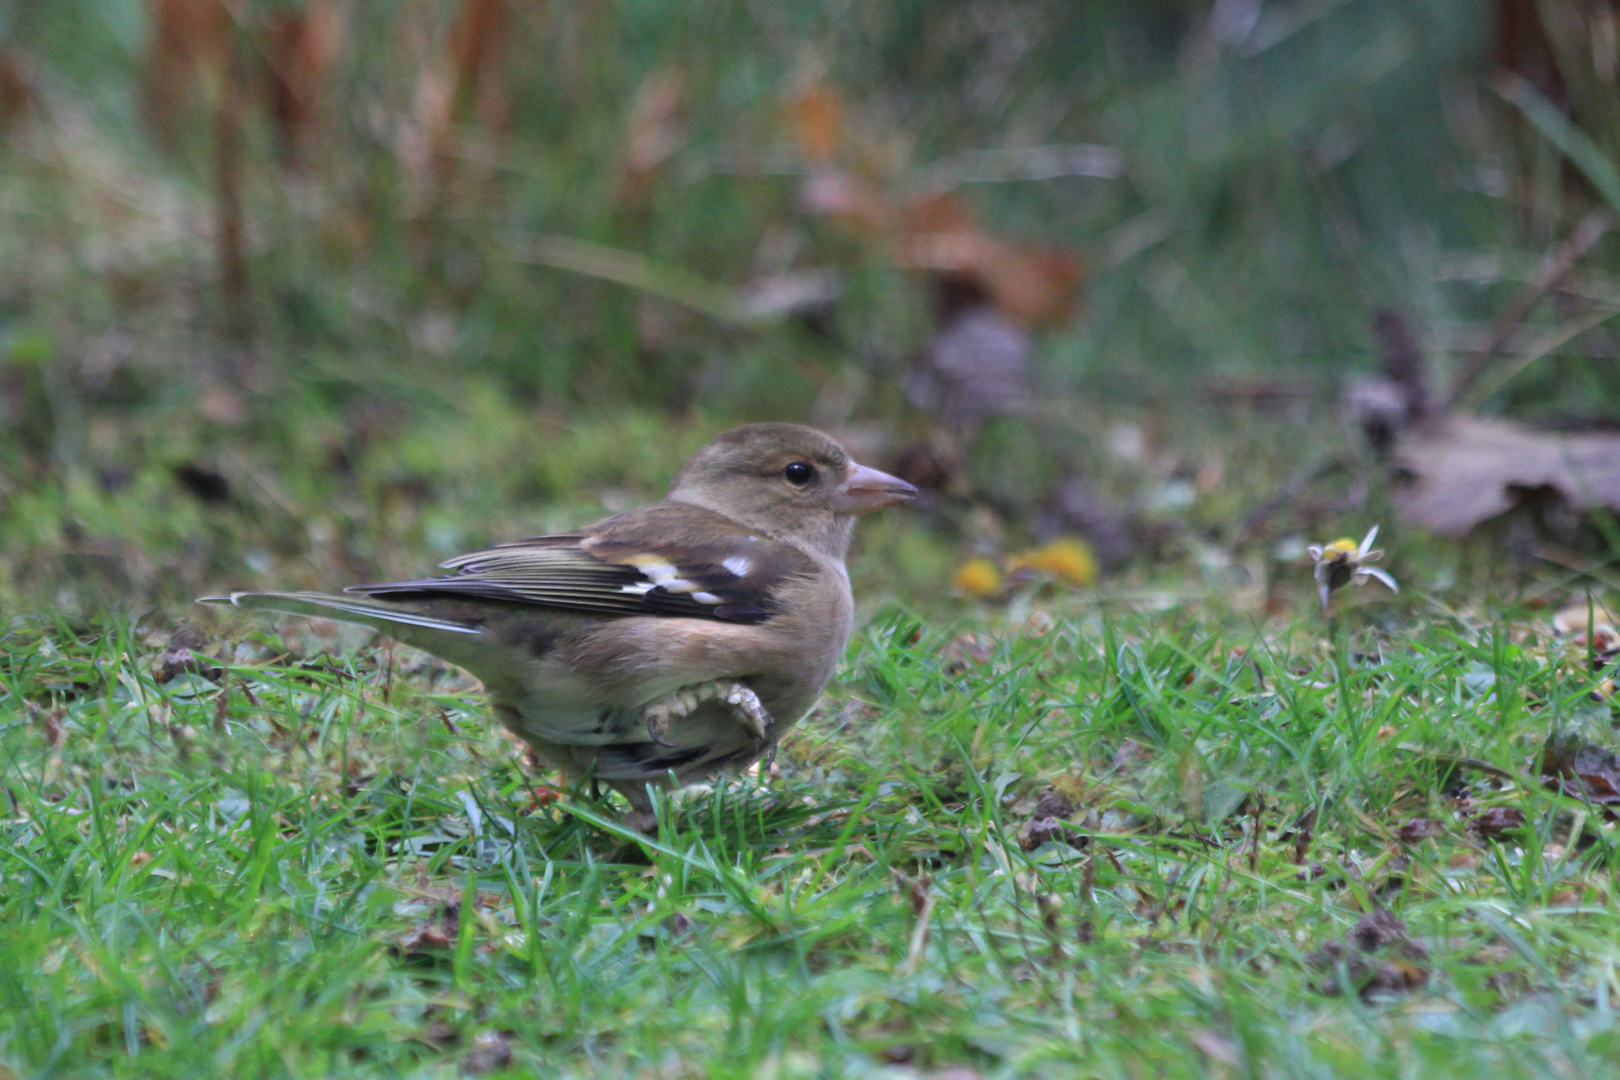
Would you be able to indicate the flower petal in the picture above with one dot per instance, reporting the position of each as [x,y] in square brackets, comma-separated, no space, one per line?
[1373,571]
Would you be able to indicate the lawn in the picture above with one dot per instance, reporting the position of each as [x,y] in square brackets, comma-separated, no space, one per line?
[1086,836]
[303,293]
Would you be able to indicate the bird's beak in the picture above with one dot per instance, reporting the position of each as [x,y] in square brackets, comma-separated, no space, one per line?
[865,490]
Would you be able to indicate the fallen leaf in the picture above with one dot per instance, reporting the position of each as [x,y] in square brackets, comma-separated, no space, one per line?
[976,366]
[1068,559]
[1581,770]
[1497,822]
[183,653]
[977,578]
[1218,1048]
[965,649]
[491,1050]
[1465,470]
[1418,829]
[1377,956]
[18,80]
[1078,508]
[655,133]
[816,117]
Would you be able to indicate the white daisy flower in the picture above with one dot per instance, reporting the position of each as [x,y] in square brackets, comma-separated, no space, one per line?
[1344,562]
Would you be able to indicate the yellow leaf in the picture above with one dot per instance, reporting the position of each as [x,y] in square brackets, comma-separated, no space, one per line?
[1067,559]
[977,577]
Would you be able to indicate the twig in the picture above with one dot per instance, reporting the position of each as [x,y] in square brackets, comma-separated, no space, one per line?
[1286,493]
[1559,262]
[637,272]
[228,199]
[1553,339]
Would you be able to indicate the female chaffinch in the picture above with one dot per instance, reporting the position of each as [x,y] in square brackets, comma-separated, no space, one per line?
[666,642]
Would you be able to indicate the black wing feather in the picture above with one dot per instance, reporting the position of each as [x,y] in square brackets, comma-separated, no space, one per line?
[670,560]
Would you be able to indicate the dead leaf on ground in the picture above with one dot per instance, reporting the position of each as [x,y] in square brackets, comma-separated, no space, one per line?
[1418,829]
[1050,822]
[18,79]
[1218,1048]
[656,133]
[1497,822]
[965,650]
[816,117]
[976,366]
[1078,507]
[1466,470]
[437,930]
[1581,770]
[184,653]
[491,1050]
[1377,956]
[1035,286]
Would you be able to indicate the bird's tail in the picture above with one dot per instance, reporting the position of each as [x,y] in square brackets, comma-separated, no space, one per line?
[377,614]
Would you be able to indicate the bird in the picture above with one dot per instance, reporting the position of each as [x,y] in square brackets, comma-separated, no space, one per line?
[660,645]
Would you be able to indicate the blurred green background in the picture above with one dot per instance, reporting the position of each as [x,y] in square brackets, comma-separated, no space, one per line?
[311,291]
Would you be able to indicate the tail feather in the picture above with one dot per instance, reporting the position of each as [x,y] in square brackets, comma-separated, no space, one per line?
[372,613]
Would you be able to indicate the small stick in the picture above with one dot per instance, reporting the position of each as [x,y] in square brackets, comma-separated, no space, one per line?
[1558,263]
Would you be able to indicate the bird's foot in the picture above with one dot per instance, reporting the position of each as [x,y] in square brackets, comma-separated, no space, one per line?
[683,702]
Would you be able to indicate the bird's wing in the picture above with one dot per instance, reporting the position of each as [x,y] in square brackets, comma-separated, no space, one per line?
[689,563]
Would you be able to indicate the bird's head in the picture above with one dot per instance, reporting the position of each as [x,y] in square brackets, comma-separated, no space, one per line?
[789,482]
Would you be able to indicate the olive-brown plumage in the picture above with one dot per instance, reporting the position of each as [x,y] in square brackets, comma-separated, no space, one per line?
[734,585]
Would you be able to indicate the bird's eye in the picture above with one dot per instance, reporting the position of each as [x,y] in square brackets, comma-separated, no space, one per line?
[798,473]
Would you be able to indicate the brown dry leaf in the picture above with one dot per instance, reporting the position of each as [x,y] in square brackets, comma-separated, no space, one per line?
[654,135]
[1497,822]
[966,649]
[438,929]
[476,41]
[1574,617]
[1034,285]
[1049,822]
[1466,470]
[466,80]
[1581,770]
[17,80]
[1397,971]
[1418,829]
[491,1050]
[939,233]
[184,653]
[50,723]
[816,116]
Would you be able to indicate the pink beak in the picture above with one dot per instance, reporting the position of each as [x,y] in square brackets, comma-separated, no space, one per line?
[865,490]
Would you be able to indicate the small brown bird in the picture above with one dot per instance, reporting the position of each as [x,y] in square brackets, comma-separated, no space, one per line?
[670,641]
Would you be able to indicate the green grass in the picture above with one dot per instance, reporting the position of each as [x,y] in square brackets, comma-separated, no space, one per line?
[316,864]
[319,859]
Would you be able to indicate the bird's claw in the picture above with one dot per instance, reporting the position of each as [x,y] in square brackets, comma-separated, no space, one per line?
[665,711]
[747,706]
[683,702]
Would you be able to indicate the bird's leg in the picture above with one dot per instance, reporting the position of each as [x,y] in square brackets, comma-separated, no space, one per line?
[680,704]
